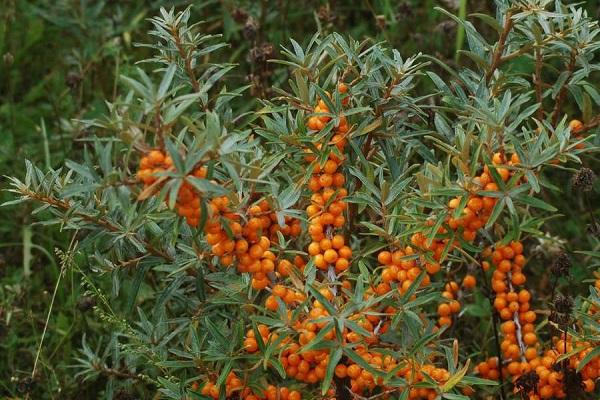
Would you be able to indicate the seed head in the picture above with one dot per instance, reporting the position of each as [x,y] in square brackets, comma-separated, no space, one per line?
[250,28]
[583,179]
[563,304]
[239,15]
[561,265]
[528,382]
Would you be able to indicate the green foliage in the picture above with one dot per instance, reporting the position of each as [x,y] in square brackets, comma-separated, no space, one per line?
[166,314]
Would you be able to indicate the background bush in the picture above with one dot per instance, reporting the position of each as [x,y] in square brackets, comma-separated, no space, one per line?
[61,61]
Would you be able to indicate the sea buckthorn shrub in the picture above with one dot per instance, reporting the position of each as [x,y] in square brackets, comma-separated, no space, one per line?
[370,231]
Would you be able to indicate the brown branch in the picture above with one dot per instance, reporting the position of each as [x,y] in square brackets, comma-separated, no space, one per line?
[378,112]
[538,82]
[109,226]
[497,58]
[158,124]
[563,90]
[516,53]
[186,58]
[594,122]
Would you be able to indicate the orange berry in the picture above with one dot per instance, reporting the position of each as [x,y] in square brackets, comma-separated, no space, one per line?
[341,371]
[341,264]
[530,339]
[353,371]
[575,126]
[444,310]
[250,345]
[314,249]
[271,303]
[337,242]
[469,282]
[330,256]
[294,395]
[475,204]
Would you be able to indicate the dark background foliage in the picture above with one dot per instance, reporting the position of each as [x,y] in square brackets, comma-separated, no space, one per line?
[60,61]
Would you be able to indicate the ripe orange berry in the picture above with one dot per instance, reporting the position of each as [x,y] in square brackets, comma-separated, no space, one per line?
[469,282]
[444,310]
[353,371]
[341,264]
[337,242]
[330,256]
[314,249]
[575,126]
[326,180]
[530,338]
[475,204]
[271,303]
[250,345]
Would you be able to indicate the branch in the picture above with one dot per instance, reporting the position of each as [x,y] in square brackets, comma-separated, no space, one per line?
[109,226]
[594,122]
[538,82]
[563,89]
[497,56]
[186,58]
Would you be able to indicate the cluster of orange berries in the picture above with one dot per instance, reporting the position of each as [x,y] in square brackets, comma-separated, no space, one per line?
[452,306]
[233,384]
[250,343]
[439,375]
[289,297]
[591,371]
[446,310]
[479,208]
[234,388]
[188,199]
[401,267]
[329,249]
[247,243]
[318,122]
[474,215]
[152,164]
[488,369]
[308,366]
[231,238]
[243,243]
[550,372]
[512,303]
[520,343]
[326,211]
[361,380]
